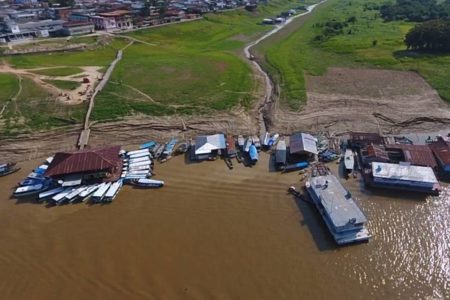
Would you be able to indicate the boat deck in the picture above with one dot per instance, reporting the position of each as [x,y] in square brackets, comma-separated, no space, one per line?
[336,201]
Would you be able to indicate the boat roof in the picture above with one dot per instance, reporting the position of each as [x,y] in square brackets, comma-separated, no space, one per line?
[403,172]
[208,143]
[302,142]
[337,201]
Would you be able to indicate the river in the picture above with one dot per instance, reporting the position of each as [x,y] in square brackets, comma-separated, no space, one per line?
[212,233]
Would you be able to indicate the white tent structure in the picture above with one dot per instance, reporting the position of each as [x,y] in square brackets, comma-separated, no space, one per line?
[207,144]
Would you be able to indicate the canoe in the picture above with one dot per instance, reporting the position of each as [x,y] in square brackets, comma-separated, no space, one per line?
[349,160]
[253,152]
[147,145]
[147,183]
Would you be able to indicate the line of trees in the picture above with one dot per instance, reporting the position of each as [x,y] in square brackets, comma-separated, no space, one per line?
[415,10]
[431,35]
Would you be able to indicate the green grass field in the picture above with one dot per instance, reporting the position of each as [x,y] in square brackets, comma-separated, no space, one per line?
[61,71]
[64,84]
[300,54]
[191,67]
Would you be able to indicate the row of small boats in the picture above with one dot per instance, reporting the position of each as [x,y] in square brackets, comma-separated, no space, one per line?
[138,168]
[164,152]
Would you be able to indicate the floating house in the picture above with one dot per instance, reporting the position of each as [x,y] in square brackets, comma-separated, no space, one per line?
[402,177]
[208,146]
[417,155]
[302,146]
[98,164]
[361,139]
[441,150]
[344,219]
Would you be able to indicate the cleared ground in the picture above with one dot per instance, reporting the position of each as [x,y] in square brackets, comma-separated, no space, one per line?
[367,100]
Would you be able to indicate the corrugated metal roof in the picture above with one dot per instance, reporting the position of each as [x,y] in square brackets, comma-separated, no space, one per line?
[302,142]
[65,163]
[378,152]
[419,155]
[208,143]
[441,149]
[363,138]
[403,172]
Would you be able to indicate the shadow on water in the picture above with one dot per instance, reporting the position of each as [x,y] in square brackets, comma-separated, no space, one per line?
[271,164]
[313,220]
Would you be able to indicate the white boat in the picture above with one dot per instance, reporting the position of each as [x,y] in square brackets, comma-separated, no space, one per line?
[129,153]
[138,160]
[129,177]
[148,183]
[100,193]
[349,160]
[143,167]
[59,198]
[137,172]
[71,197]
[49,159]
[137,155]
[143,163]
[113,191]
[87,193]
[248,143]
[50,193]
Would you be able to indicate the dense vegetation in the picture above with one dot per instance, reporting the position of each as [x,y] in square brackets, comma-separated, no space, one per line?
[430,35]
[415,10]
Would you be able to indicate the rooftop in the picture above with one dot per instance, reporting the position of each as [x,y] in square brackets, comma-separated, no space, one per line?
[420,155]
[65,163]
[302,142]
[441,149]
[206,144]
[337,201]
[403,172]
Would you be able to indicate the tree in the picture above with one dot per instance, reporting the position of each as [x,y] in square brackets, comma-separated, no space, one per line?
[430,35]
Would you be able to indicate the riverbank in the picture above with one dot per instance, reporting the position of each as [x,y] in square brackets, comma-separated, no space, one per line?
[199,235]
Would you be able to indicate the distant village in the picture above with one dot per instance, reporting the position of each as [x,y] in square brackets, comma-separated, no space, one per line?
[22,20]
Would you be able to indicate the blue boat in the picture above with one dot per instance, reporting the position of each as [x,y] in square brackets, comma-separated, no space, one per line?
[295,167]
[168,149]
[340,213]
[253,152]
[148,145]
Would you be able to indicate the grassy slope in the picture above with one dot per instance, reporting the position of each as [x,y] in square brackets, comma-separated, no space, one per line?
[9,87]
[193,67]
[299,54]
[62,71]
[64,84]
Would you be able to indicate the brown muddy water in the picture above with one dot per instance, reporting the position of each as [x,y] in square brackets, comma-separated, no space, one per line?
[212,233]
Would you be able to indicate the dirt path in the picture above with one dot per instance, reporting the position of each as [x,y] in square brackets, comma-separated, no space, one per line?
[69,97]
[268,84]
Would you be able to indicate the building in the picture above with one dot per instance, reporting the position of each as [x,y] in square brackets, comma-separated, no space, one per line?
[115,20]
[207,146]
[402,177]
[441,150]
[418,155]
[76,28]
[103,163]
[361,139]
[302,146]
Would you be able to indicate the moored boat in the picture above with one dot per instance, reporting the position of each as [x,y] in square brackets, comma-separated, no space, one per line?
[87,193]
[280,155]
[50,193]
[113,191]
[253,153]
[273,140]
[100,193]
[296,166]
[59,198]
[8,168]
[147,183]
[256,142]
[168,150]
[147,145]
[241,142]
[349,160]
[231,147]
[344,219]
[158,151]
[248,143]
